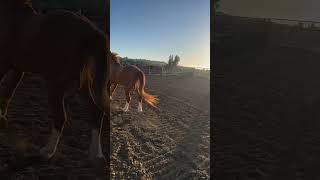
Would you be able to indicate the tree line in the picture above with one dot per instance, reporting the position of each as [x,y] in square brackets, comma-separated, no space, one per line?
[172,63]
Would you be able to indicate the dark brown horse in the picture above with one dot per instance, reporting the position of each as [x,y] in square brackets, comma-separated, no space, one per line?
[67,50]
[132,78]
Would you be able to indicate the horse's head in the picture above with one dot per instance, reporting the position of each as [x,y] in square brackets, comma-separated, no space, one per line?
[115,57]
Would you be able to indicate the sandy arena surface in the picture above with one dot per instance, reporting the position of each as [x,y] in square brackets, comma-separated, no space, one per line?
[169,143]
[266,115]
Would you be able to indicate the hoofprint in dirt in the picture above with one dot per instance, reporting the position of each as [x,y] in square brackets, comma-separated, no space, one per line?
[169,143]
[28,131]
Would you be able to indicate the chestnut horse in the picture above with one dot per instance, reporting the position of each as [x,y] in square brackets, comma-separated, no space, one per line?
[132,78]
[60,46]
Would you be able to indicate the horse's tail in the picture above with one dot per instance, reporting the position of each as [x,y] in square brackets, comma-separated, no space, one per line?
[150,99]
[94,77]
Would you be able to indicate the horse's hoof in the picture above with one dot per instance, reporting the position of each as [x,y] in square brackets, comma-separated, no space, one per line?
[3,122]
[126,107]
[99,166]
[45,153]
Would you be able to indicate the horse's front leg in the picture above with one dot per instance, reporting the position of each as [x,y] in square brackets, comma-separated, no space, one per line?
[56,99]
[9,84]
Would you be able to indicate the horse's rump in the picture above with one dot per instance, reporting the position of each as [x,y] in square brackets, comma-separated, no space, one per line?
[133,75]
[150,99]
[58,38]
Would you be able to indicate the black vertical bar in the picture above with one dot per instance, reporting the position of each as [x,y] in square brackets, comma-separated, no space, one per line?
[106,124]
[106,17]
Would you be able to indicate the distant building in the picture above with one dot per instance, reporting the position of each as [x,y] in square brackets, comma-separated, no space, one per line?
[147,69]
[150,69]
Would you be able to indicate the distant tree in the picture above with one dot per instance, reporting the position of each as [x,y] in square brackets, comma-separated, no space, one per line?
[169,66]
[176,61]
[170,61]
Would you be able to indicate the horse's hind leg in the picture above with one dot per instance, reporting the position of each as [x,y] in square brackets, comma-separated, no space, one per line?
[57,105]
[9,84]
[140,101]
[128,97]
[96,124]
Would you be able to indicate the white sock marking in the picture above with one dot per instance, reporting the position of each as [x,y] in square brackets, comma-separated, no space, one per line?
[126,107]
[140,107]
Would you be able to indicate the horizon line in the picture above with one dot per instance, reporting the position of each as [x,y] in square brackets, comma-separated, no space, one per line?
[272,18]
[166,62]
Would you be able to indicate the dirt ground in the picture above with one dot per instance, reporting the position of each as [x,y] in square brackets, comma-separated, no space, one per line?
[28,130]
[169,143]
[266,115]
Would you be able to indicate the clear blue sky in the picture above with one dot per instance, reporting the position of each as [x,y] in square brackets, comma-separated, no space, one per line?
[154,29]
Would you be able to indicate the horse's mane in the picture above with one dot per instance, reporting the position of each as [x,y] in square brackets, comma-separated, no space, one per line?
[115,57]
